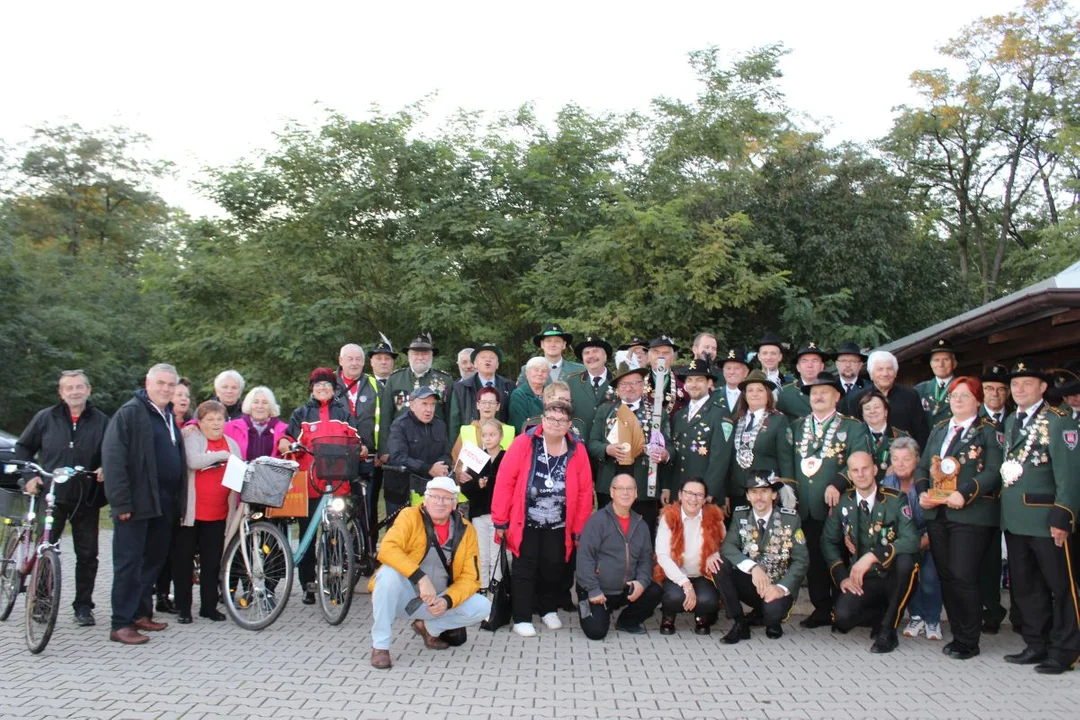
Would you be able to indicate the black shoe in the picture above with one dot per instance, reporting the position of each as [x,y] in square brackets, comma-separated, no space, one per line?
[84,617]
[774,632]
[667,624]
[165,605]
[739,631]
[754,619]
[211,614]
[702,626]
[816,621]
[886,642]
[949,647]
[991,628]
[309,598]
[1052,667]
[634,629]
[963,652]
[1029,656]
[874,632]
[184,619]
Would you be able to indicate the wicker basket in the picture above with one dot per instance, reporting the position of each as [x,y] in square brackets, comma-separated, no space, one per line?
[266,481]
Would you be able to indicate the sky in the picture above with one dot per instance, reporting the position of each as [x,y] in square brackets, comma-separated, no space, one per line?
[211,82]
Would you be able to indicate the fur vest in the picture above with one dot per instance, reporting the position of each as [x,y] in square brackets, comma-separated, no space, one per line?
[712,535]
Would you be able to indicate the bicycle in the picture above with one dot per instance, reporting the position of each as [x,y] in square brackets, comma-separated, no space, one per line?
[259,552]
[39,563]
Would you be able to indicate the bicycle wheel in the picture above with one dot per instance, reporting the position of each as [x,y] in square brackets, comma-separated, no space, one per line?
[364,565]
[256,588]
[42,600]
[334,560]
[9,574]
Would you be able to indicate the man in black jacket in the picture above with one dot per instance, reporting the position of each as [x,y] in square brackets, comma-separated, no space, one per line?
[418,442]
[146,483]
[486,358]
[69,434]
[905,405]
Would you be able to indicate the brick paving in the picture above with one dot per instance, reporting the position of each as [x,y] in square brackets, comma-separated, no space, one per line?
[303,668]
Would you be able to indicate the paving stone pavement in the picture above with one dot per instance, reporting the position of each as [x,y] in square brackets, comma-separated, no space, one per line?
[303,668]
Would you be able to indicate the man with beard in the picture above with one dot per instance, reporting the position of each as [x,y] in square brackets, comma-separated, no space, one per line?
[701,437]
[663,348]
[465,364]
[793,402]
[850,362]
[419,374]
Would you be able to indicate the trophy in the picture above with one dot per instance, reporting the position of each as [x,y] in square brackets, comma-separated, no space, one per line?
[628,433]
[943,472]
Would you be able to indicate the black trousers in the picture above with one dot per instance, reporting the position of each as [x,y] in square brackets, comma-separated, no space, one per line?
[164,581]
[208,539]
[883,600]
[84,536]
[993,612]
[139,551]
[708,598]
[597,623]
[818,581]
[307,563]
[737,587]
[958,550]
[538,578]
[1046,592]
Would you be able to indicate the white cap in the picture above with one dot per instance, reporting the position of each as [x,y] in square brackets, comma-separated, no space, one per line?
[443,483]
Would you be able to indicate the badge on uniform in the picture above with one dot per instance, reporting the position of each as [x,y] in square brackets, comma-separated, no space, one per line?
[1070,437]
[907,511]
[726,427]
[799,537]
[926,405]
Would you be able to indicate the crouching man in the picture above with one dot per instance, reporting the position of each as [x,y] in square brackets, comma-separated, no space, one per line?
[429,567]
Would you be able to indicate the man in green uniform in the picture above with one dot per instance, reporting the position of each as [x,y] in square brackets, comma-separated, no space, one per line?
[770,353]
[850,362]
[934,392]
[404,381]
[995,383]
[1040,498]
[701,438]
[592,387]
[734,367]
[553,342]
[792,401]
[629,384]
[822,442]
[765,559]
[873,523]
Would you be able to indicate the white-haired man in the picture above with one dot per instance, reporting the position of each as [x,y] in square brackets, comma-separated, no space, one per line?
[905,405]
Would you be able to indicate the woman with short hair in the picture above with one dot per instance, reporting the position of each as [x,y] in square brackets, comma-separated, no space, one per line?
[875,415]
[527,399]
[260,428]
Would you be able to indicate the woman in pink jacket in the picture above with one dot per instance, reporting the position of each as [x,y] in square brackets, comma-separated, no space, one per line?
[543,496]
[258,430]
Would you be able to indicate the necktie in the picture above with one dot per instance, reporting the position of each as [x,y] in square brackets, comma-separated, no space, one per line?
[554,367]
[864,506]
[957,431]
[847,388]
[596,383]
[996,417]
[877,437]
[749,421]
[1019,424]
[761,528]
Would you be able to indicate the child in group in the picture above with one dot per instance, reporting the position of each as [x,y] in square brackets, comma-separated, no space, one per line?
[479,490]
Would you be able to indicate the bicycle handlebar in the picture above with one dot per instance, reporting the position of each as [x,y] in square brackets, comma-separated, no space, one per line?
[59,475]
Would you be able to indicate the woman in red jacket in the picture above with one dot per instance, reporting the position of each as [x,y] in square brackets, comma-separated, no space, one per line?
[543,496]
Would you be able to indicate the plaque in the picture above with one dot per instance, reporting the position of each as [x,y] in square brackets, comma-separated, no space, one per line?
[810,465]
[630,435]
[943,472]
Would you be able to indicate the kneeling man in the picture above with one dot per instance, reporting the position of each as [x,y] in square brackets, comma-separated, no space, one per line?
[429,567]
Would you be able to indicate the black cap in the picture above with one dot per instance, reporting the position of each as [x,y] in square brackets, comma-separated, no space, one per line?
[996,373]
[552,330]
[770,338]
[1024,368]
[491,347]
[699,368]
[736,354]
[634,341]
[1063,383]
[592,340]
[423,342]
[763,479]
[382,348]
[661,340]
[940,345]
[824,378]
[850,348]
[811,348]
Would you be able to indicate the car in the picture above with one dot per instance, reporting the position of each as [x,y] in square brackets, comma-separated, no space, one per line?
[7,452]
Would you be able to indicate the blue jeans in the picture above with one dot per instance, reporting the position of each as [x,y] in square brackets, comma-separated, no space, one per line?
[926,599]
[392,593]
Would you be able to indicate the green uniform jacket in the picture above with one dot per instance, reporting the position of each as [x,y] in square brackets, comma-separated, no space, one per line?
[850,436]
[402,382]
[979,479]
[793,402]
[781,553]
[608,467]
[586,399]
[702,449]
[569,367]
[888,531]
[934,401]
[880,448]
[1048,493]
[772,451]
[719,399]
[524,404]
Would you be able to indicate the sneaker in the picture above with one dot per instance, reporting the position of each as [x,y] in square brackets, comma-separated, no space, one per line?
[916,627]
[552,621]
[933,631]
[525,629]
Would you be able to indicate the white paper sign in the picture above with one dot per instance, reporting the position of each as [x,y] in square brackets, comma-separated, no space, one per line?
[473,457]
[234,473]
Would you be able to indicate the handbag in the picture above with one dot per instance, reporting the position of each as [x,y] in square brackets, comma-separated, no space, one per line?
[296,499]
[499,590]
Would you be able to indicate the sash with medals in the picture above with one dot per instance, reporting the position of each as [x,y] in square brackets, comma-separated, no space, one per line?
[745,440]
[823,435]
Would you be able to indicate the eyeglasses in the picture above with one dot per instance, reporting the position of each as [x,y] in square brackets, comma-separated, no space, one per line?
[558,422]
[322,384]
[961,396]
[690,494]
[631,488]
[441,499]
[488,403]
[630,383]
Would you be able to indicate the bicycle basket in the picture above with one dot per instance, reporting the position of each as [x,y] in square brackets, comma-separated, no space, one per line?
[337,459]
[266,481]
[13,505]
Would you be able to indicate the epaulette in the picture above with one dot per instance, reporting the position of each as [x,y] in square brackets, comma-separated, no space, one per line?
[940,423]
[888,491]
[401,370]
[788,511]
[987,422]
[1055,409]
[842,416]
[742,507]
[576,374]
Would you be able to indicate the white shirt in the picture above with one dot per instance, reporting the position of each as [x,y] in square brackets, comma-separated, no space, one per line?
[952,431]
[1029,413]
[732,396]
[869,500]
[632,405]
[758,416]
[943,383]
[692,537]
[996,417]
[602,376]
[696,405]
[555,369]
[486,382]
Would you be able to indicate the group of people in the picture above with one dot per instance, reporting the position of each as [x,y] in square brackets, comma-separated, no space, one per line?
[627,482]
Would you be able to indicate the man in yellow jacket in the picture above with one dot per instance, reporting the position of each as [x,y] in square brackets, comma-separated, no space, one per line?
[430,572]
